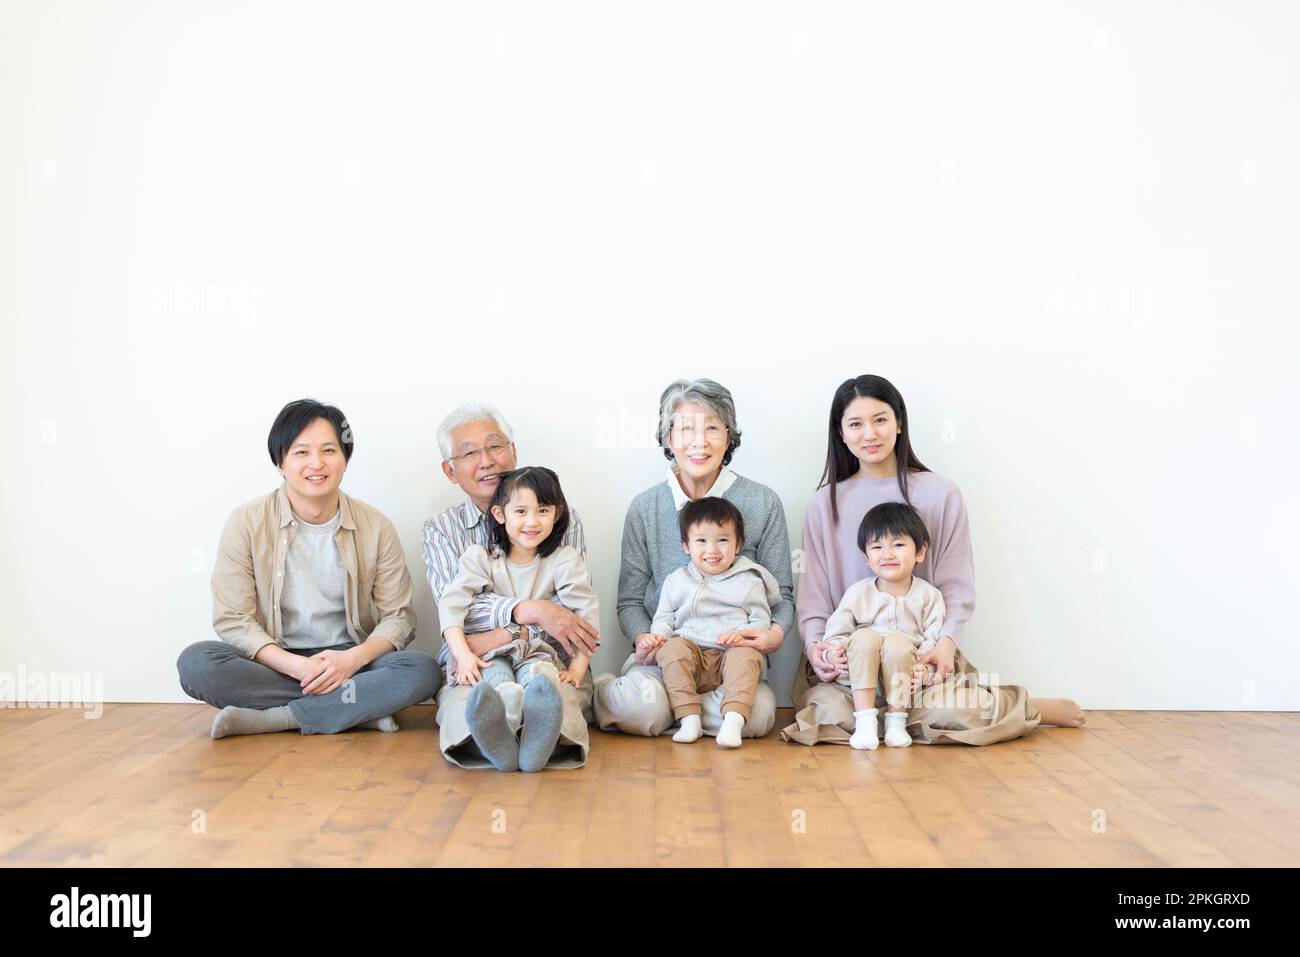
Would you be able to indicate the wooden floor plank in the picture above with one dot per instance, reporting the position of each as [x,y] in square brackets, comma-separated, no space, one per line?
[144,785]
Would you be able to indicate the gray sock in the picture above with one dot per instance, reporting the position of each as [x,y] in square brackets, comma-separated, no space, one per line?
[485,713]
[386,723]
[234,720]
[543,713]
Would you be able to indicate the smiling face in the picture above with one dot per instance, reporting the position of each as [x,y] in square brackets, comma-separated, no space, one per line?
[480,453]
[527,522]
[697,438]
[893,557]
[314,465]
[870,431]
[712,547]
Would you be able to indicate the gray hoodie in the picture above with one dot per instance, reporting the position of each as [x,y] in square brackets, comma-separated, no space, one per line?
[701,607]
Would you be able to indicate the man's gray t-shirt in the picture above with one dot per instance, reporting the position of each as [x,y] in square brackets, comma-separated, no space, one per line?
[312,609]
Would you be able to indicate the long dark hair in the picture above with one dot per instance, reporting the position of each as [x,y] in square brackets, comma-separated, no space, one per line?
[840,462]
[545,484]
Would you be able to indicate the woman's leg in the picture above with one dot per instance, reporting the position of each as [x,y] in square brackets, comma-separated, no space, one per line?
[823,710]
[635,702]
[1062,712]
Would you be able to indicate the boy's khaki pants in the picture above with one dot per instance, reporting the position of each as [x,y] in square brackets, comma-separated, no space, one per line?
[883,660]
[689,669]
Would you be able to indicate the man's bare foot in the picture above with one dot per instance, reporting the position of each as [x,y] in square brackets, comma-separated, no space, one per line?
[1062,712]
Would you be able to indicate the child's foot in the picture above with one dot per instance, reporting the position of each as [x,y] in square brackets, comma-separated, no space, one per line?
[485,713]
[386,723]
[864,733]
[729,736]
[690,730]
[234,720]
[1062,712]
[543,715]
[896,735]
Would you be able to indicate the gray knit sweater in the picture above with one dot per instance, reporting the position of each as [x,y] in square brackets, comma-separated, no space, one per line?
[652,550]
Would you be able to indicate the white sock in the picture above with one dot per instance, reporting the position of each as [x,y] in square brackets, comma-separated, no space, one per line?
[386,723]
[896,735]
[864,732]
[690,730]
[729,736]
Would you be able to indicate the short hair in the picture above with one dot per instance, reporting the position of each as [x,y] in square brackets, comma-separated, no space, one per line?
[892,518]
[713,396]
[545,484]
[295,417]
[464,413]
[714,511]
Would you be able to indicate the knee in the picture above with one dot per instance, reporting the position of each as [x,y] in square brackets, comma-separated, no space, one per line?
[674,651]
[865,637]
[195,664]
[544,670]
[898,645]
[635,693]
[747,656]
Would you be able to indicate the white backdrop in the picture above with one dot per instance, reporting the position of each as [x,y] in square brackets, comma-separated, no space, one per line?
[1067,232]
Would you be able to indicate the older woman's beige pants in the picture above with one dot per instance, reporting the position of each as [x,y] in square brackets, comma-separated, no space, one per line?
[965,708]
[636,702]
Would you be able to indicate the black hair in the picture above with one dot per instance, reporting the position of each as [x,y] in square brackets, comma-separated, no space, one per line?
[889,519]
[840,462]
[545,484]
[714,511]
[295,417]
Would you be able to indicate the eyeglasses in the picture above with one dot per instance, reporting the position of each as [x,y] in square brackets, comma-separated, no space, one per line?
[685,433]
[493,451]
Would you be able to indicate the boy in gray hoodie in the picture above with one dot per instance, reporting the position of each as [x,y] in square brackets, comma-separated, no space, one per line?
[703,608]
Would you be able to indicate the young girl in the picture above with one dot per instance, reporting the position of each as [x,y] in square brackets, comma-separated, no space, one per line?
[885,621]
[517,685]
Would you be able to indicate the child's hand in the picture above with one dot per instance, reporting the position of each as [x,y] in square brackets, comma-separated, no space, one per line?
[467,667]
[646,646]
[730,639]
[922,675]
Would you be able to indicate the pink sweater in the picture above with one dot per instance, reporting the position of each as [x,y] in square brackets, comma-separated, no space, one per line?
[832,561]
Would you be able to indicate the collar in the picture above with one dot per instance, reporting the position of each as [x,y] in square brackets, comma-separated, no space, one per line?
[726,478]
[470,515]
[875,584]
[285,509]
[739,565]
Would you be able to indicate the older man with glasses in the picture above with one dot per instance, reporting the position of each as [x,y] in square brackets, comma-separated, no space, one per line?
[477,445]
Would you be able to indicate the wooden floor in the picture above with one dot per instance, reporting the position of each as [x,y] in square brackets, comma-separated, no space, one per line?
[144,785]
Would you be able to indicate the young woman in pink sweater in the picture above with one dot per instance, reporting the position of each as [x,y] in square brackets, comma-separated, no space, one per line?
[869,460]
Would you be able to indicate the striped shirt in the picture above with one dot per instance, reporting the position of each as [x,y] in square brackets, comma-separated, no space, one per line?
[446,537]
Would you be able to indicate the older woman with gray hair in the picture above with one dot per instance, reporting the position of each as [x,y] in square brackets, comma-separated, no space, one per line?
[698,435]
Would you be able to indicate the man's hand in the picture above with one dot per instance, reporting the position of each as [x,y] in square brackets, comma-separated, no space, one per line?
[328,670]
[576,635]
[486,641]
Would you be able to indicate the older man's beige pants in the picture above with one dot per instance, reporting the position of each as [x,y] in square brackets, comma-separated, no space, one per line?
[457,744]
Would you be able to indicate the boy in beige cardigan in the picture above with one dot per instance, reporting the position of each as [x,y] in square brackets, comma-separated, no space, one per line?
[886,622]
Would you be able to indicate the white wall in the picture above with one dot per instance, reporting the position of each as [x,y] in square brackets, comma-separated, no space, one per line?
[1066,231]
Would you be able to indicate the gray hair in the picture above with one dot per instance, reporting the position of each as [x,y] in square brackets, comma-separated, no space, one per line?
[465,413]
[713,396]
